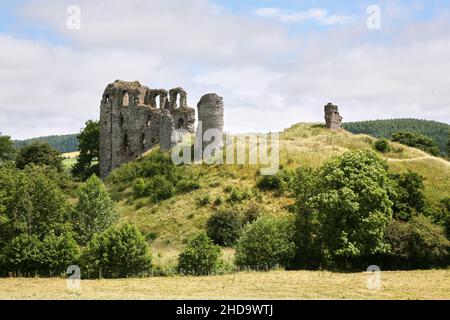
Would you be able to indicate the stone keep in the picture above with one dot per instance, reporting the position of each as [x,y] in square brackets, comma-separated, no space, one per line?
[210,114]
[333,119]
[135,118]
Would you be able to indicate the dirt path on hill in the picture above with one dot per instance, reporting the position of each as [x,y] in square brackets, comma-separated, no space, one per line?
[445,162]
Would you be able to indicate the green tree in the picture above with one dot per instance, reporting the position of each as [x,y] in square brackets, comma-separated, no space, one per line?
[224,227]
[117,253]
[95,211]
[23,255]
[7,149]
[199,257]
[88,146]
[39,153]
[417,141]
[266,243]
[31,203]
[409,197]
[353,205]
[58,252]
[418,243]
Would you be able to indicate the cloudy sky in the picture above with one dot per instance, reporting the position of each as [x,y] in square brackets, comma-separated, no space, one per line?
[274,62]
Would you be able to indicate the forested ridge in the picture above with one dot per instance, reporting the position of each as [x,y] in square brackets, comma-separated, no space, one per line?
[437,131]
[62,143]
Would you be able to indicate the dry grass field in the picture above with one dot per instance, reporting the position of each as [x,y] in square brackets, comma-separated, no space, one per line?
[295,285]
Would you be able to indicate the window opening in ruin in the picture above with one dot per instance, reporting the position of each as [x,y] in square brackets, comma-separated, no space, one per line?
[157,102]
[126,99]
[180,123]
[121,119]
[143,141]
[125,141]
[149,122]
[107,99]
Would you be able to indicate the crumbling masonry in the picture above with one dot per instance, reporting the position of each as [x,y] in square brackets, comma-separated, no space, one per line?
[333,119]
[135,118]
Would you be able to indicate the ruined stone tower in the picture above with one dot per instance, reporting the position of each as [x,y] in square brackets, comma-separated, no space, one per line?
[332,117]
[135,118]
[210,113]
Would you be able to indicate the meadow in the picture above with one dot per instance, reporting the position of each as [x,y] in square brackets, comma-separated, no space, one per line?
[275,285]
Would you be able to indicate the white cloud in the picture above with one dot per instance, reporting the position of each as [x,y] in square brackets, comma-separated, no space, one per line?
[269,78]
[317,15]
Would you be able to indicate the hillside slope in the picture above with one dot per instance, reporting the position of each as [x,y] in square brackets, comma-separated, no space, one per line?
[171,222]
[437,131]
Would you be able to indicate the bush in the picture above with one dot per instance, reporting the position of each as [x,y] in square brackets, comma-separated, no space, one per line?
[267,242]
[224,227]
[417,243]
[23,255]
[237,196]
[200,257]
[278,182]
[204,200]
[161,188]
[58,253]
[251,213]
[417,141]
[140,188]
[95,211]
[382,145]
[408,196]
[117,253]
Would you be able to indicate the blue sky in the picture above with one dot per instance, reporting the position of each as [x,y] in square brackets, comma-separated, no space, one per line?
[274,62]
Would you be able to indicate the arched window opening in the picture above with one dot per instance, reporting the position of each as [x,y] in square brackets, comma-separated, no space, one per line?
[126,100]
[180,123]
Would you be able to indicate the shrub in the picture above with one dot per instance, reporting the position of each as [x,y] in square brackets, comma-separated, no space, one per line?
[161,188]
[224,227]
[95,211]
[58,253]
[251,213]
[237,195]
[267,242]
[382,145]
[417,243]
[199,257]
[140,188]
[408,196]
[23,255]
[203,201]
[117,253]
[278,182]
[417,141]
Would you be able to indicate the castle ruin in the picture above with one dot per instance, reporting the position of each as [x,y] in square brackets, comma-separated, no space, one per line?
[135,118]
[333,119]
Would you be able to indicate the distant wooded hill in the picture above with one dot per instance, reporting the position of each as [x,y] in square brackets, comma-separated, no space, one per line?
[64,143]
[437,131]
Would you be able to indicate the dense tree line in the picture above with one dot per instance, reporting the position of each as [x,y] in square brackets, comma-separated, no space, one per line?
[437,131]
[62,143]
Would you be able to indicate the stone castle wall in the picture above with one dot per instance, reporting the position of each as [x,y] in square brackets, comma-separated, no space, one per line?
[135,118]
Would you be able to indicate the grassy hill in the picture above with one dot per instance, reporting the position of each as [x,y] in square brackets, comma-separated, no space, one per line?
[169,223]
[437,131]
[63,143]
